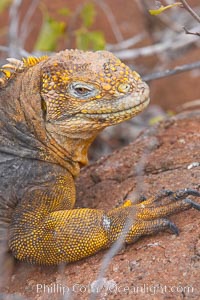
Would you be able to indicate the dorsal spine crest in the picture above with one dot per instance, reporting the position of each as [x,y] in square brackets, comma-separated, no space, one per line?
[32,60]
[15,66]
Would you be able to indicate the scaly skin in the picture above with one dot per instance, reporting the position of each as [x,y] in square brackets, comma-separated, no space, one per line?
[51,109]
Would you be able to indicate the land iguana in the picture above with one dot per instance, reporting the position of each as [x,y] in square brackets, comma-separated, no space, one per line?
[51,110]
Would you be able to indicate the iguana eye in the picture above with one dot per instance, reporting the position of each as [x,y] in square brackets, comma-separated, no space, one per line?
[82,90]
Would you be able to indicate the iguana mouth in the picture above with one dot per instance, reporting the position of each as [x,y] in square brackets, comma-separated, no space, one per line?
[122,114]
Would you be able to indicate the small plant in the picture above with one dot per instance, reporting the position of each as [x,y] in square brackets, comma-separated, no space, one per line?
[4,4]
[50,33]
[85,38]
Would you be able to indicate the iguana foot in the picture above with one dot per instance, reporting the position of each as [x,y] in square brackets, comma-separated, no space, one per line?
[150,214]
[158,206]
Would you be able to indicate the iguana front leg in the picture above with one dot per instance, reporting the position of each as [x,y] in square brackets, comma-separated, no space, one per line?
[46,229]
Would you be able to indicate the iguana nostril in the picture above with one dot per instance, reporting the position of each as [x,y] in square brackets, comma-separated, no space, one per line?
[124,87]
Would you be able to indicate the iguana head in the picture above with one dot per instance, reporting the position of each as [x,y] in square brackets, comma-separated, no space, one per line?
[87,91]
[58,104]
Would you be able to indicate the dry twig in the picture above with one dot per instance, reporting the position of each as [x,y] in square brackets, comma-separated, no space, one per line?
[173,44]
[190,10]
[175,71]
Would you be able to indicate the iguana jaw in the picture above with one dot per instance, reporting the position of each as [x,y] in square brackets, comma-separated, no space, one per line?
[118,114]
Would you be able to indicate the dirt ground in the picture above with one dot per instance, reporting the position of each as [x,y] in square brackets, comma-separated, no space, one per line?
[163,266]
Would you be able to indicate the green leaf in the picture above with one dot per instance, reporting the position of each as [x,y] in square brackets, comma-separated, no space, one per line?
[50,32]
[156,120]
[4,4]
[88,14]
[82,41]
[90,40]
[65,11]
[97,40]
[162,8]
